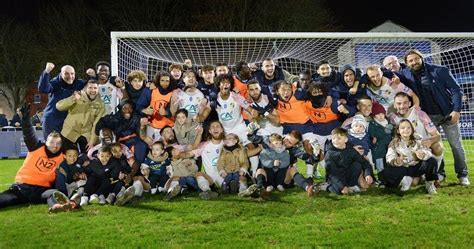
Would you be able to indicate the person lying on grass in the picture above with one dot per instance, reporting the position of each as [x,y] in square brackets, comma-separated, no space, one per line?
[35,179]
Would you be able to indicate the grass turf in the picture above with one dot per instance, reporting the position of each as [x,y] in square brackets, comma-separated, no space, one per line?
[376,218]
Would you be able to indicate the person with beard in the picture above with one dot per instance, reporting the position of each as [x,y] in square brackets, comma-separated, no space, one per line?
[58,88]
[269,75]
[267,120]
[134,85]
[204,180]
[36,176]
[209,89]
[441,98]
[125,125]
[222,68]
[422,123]
[191,99]
[155,104]
[84,111]
[383,89]
[209,151]
[109,87]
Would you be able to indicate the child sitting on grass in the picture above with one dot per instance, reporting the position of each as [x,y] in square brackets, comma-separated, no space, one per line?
[407,157]
[346,169]
[70,175]
[184,173]
[233,165]
[103,173]
[275,161]
[157,161]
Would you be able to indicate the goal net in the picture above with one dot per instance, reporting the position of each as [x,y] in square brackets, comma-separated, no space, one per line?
[154,51]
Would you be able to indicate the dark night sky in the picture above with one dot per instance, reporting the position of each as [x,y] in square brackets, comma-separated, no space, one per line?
[353,16]
[417,16]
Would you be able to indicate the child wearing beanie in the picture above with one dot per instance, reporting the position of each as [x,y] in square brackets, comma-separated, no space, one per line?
[380,133]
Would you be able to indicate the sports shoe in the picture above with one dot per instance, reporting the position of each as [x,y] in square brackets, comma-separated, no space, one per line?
[65,207]
[354,189]
[84,201]
[405,184]
[76,197]
[280,188]
[251,190]
[269,189]
[224,188]
[60,198]
[234,186]
[94,199]
[464,181]
[176,190]
[242,187]
[154,190]
[321,187]
[316,147]
[430,187]
[207,195]
[126,196]
[102,200]
[110,198]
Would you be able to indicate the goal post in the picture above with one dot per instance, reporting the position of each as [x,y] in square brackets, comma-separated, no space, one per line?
[154,51]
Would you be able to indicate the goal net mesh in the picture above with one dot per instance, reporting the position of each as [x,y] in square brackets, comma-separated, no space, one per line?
[154,51]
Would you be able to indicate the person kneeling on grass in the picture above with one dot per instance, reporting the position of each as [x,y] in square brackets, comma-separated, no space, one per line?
[233,165]
[184,173]
[407,157]
[347,171]
[35,178]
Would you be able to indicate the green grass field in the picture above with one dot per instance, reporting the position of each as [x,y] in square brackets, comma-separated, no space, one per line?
[376,218]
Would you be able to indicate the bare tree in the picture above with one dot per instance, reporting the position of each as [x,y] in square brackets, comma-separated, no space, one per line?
[18,54]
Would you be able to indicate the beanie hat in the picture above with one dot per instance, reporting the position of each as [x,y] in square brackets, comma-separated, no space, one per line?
[377,108]
[348,67]
[359,119]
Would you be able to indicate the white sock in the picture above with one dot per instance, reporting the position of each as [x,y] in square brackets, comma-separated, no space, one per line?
[138,188]
[309,170]
[253,164]
[203,183]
